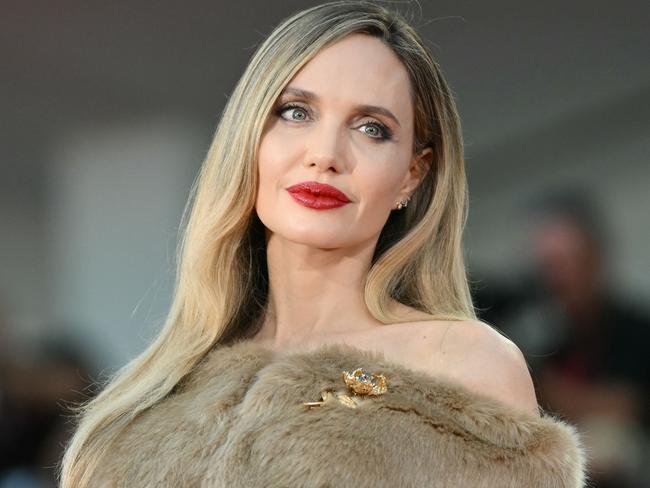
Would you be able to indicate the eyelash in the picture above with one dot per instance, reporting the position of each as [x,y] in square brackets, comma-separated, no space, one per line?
[386,133]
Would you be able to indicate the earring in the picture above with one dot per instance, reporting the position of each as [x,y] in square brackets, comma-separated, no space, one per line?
[403,203]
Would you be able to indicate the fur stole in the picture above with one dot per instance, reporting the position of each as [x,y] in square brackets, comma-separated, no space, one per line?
[238,420]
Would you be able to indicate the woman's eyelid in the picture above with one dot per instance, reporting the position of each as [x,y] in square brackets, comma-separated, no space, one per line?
[296,102]
[372,120]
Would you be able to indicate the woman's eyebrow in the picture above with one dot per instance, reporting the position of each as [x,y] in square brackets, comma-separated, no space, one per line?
[307,95]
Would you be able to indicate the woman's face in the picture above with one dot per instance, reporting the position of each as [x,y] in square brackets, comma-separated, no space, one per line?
[344,120]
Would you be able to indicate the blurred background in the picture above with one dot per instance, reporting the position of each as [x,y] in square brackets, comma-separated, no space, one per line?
[107,110]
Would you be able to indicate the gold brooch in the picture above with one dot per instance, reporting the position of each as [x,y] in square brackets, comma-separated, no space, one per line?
[360,383]
[363,383]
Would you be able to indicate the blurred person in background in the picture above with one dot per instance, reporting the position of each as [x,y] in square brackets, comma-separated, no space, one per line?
[35,386]
[586,344]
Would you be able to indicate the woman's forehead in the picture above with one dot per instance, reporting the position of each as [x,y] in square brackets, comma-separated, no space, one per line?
[358,69]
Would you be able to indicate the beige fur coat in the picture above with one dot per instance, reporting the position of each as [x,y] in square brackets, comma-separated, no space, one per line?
[239,421]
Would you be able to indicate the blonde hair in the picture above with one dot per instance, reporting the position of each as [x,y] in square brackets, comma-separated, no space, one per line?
[221,283]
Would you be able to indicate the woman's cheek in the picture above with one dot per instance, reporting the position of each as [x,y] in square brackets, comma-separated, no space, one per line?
[382,178]
[273,161]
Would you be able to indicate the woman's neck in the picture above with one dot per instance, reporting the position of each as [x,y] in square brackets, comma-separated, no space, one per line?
[314,292]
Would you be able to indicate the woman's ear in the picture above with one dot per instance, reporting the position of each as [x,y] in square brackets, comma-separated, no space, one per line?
[420,165]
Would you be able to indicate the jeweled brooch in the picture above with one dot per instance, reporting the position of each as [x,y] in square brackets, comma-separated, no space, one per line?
[363,383]
[360,383]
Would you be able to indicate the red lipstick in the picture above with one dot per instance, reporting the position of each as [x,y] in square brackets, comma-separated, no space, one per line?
[318,196]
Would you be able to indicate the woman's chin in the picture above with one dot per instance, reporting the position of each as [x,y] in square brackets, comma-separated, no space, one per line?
[324,239]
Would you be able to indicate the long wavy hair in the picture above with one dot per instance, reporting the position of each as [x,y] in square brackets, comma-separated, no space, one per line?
[222,282]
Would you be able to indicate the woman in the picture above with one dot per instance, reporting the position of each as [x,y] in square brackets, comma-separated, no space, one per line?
[322,331]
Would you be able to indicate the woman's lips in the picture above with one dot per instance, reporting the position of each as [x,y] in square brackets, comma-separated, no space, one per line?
[318,195]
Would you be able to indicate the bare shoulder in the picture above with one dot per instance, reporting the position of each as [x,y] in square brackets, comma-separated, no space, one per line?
[478,356]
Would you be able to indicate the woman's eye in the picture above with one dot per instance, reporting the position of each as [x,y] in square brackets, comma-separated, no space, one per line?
[376,130]
[295,112]
[298,113]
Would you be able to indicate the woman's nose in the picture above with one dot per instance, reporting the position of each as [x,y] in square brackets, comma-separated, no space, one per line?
[325,148]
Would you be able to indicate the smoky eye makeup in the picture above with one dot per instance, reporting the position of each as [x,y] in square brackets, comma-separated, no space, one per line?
[385,134]
[280,110]
[379,132]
